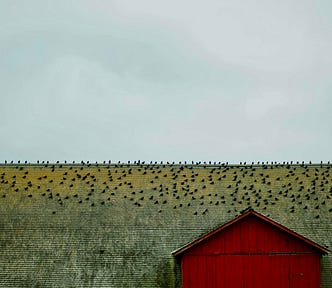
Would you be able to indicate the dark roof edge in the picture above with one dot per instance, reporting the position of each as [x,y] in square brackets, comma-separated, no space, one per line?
[184,164]
[246,213]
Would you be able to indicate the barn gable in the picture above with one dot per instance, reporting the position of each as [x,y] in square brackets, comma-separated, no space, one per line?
[251,233]
[251,251]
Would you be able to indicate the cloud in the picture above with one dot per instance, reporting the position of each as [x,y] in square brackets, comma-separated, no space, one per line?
[165,79]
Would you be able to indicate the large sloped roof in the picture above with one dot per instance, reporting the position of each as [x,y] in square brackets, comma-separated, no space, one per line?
[288,192]
[84,222]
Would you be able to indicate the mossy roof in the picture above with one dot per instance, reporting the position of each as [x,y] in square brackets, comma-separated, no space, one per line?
[144,212]
[301,191]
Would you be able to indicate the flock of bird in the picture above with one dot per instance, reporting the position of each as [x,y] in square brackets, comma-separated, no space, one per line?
[197,187]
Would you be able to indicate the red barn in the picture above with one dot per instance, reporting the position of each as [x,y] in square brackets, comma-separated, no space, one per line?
[251,251]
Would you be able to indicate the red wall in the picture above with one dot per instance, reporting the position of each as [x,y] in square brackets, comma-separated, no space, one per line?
[251,253]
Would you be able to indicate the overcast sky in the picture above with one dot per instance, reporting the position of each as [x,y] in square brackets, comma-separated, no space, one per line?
[175,80]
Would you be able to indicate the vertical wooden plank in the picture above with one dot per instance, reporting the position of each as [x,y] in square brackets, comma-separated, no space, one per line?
[254,265]
[245,237]
[236,240]
[262,277]
[318,276]
[273,270]
[253,232]
[208,267]
[228,271]
[248,269]
[257,271]
[184,268]
[232,265]
[231,275]
[281,270]
[220,271]
[292,271]
[223,278]
[210,271]
[238,272]
[202,271]
[260,238]
[191,271]
[197,275]
[223,242]
[229,240]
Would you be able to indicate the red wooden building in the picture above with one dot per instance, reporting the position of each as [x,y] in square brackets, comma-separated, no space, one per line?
[251,251]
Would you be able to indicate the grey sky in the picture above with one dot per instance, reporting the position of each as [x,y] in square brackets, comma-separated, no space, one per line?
[165,80]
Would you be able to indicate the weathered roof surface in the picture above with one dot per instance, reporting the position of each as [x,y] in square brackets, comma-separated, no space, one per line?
[76,223]
[245,214]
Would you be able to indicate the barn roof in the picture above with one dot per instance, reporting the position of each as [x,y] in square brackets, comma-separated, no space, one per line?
[245,214]
[68,224]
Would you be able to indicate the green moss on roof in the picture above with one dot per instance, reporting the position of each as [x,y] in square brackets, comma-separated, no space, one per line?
[291,188]
[97,215]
